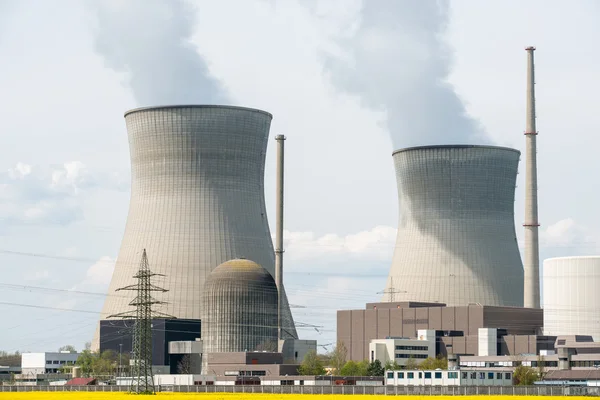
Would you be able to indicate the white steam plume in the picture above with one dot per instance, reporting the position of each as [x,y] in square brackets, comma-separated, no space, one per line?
[397,60]
[149,40]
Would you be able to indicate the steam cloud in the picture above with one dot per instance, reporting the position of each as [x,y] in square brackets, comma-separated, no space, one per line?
[398,61]
[148,39]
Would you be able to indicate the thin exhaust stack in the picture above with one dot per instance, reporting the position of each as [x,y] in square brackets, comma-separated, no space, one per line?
[279,234]
[532,251]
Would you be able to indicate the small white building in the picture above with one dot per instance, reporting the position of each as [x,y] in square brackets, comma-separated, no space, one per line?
[402,349]
[46,363]
[480,377]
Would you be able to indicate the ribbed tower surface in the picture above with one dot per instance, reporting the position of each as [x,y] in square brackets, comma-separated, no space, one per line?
[456,241]
[240,298]
[197,200]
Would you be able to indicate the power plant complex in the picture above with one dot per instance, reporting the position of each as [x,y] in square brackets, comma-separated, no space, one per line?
[457,285]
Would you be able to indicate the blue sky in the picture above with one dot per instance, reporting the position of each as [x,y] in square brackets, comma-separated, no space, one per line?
[346,85]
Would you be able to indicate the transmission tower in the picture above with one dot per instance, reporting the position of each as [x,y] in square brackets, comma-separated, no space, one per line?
[142,377]
[391,291]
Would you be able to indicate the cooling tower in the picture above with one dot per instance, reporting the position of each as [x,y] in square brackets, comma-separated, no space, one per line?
[240,298]
[456,241]
[197,200]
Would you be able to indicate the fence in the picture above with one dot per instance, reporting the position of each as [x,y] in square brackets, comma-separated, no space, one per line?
[349,390]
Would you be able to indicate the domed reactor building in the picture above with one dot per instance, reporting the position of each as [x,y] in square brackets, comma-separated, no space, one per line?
[240,298]
[456,241]
[197,201]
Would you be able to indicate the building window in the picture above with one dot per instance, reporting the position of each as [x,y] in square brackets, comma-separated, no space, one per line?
[490,375]
[454,375]
[438,375]
[473,375]
[507,375]
[390,375]
[420,375]
[464,375]
[410,375]
[482,375]
[499,375]
[427,375]
[400,375]
[372,356]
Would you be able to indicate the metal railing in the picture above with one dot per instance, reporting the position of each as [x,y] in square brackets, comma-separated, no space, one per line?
[342,389]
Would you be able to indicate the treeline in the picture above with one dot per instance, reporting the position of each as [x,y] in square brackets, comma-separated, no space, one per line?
[315,364]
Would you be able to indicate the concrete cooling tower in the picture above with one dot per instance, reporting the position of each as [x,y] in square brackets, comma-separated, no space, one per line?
[197,200]
[456,241]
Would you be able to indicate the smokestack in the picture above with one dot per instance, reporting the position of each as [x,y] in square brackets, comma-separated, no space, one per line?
[531,265]
[279,233]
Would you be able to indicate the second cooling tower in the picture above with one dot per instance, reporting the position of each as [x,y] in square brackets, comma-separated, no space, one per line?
[456,240]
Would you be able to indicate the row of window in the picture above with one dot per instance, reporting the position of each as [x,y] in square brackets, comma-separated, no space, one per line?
[451,375]
[253,373]
[401,355]
[417,348]
[61,362]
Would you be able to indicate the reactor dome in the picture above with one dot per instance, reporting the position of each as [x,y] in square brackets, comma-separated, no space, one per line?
[240,300]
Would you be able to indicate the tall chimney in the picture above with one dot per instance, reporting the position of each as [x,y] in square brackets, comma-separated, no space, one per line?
[532,246]
[279,233]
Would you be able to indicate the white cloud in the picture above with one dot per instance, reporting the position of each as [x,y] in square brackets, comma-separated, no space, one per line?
[49,195]
[99,274]
[567,233]
[376,243]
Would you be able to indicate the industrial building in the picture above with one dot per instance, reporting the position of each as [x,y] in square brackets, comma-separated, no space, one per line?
[117,335]
[197,201]
[480,377]
[457,329]
[572,296]
[456,241]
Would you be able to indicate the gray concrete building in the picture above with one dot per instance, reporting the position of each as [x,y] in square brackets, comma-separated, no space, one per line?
[456,241]
[197,200]
[457,328]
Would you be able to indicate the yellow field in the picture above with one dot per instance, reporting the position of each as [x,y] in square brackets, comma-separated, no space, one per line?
[234,396]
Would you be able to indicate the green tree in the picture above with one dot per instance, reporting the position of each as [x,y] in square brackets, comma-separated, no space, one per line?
[525,375]
[434,363]
[68,347]
[337,358]
[96,364]
[375,369]
[411,363]
[86,362]
[311,365]
[353,368]
[392,366]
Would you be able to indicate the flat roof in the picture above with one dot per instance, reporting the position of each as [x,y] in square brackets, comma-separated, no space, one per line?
[455,146]
[134,110]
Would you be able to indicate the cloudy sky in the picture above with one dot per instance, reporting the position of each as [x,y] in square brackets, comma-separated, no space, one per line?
[347,81]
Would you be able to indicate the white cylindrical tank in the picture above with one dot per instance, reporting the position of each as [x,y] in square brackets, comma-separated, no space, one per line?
[571,296]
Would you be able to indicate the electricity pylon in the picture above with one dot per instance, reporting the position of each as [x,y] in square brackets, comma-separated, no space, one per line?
[142,377]
[391,291]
